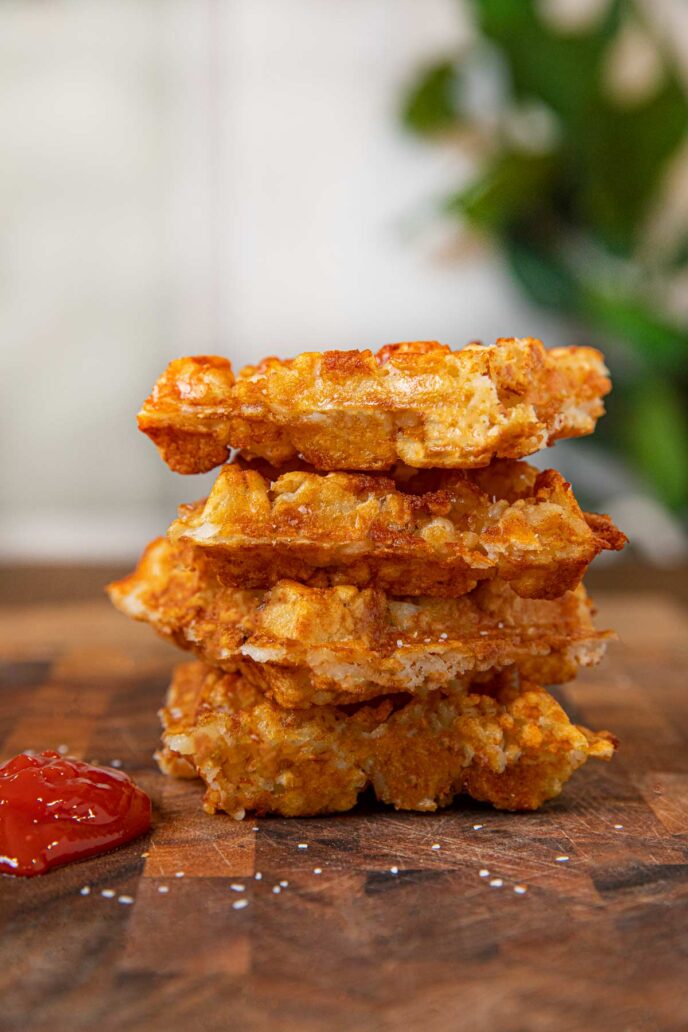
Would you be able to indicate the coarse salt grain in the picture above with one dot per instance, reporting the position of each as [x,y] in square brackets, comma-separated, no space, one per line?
[179,874]
[303,845]
[255,828]
[284,884]
[399,643]
[394,870]
[115,763]
[496,883]
[561,859]
[484,873]
[520,890]
[108,893]
[85,890]
[435,845]
[276,889]
[235,887]
[163,888]
[444,636]
[63,749]
[127,900]
[317,870]
[477,827]
[258,876]
[618,827]
[240,904]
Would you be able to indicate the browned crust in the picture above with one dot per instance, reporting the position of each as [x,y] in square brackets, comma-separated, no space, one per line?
[417,402]
[305,645]
[426,533]
[506,743]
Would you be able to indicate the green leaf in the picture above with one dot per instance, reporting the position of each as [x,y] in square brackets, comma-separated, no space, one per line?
[543,276]
[431,104]
[660,343]
[623,155]
[558,69]
[511,187]
[657,438]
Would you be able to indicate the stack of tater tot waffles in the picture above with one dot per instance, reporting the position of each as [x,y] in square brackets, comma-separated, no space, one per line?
[377,589]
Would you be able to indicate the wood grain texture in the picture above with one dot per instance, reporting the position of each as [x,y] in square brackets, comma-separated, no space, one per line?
[599,941]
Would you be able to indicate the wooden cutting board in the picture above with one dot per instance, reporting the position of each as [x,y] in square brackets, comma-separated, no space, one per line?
[598,940]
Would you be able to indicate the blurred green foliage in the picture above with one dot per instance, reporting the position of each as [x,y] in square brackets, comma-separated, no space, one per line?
[570,206]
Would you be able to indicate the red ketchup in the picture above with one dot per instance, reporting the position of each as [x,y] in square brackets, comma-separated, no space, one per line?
[54,810]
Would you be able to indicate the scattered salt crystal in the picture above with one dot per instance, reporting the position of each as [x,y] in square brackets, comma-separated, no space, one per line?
[520,890]
[85,890]
[125,899]
[561,859]
[399,643]
[115,763]
[317,870]
[258,875]
[394,870]
[496,883]
[284,884]
[444,636]
[144,855]
[484,873]
[618,827]
[303,845]
[477,827]
[435,845]
[255,828]
[163,888]
[240,904]
[63,749]
[276,889]
[179,874]
[237,888]
[108,893]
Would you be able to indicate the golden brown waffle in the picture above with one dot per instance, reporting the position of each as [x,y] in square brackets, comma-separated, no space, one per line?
[306,646]
[427,533]
[418,402]
[507,744]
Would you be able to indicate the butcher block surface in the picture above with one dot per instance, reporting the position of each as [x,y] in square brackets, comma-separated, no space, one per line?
[357,921]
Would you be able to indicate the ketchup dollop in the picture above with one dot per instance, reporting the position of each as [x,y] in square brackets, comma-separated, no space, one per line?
[54,810]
